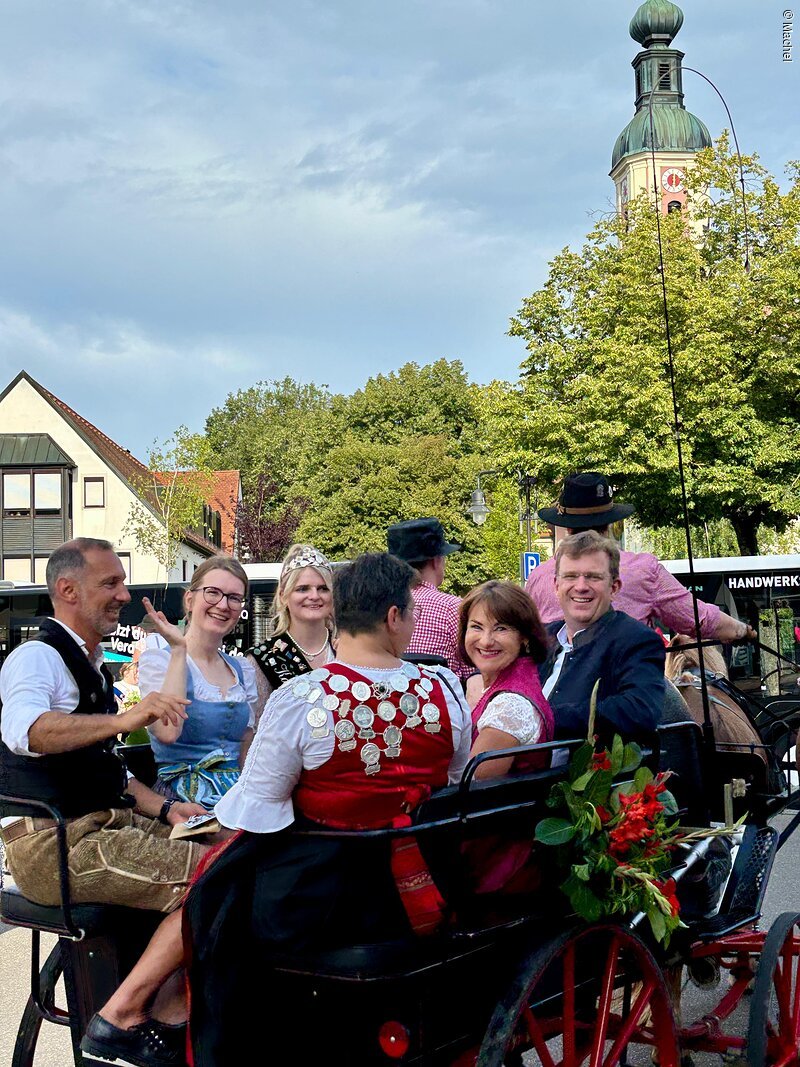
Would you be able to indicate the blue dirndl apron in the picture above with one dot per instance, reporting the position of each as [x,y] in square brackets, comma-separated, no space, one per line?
[202,765]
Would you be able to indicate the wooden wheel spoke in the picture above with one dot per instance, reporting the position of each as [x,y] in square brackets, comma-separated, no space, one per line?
[604,1005]
[783,984]
[569,1006]
[537,1037]
[629,1025]
[795,967]
[788,1059]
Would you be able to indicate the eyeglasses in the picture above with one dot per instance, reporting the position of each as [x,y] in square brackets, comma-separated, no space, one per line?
[213,596]
[591,578]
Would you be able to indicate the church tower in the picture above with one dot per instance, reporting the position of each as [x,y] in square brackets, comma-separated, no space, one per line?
[678,133]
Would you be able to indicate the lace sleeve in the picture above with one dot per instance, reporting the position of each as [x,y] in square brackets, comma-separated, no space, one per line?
[513,714]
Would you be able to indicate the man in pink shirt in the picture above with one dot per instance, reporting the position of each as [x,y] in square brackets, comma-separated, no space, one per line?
[648,590]
[421,542]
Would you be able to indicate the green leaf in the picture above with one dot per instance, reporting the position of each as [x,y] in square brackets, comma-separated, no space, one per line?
[580,783]
[658,923]
[592,710]
[631,758]
[599,788]
[642,777]
[617,754]
[554,831]
[669,802]
[581,759]
[586,903]
[582,871]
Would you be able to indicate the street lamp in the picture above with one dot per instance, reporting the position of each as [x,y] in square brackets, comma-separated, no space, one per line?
[527,484]
[478,509]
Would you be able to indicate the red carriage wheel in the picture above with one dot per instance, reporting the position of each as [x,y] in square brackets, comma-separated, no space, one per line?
[773,1036]
[592,996]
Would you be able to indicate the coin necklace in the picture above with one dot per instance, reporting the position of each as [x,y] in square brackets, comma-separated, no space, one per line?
[312,655]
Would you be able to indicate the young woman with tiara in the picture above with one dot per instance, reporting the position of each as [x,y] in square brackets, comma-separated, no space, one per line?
[302,622]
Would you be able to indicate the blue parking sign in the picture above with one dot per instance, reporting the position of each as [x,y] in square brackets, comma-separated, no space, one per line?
[528,561]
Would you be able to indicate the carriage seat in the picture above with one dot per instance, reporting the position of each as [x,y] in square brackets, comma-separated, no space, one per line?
[90,919]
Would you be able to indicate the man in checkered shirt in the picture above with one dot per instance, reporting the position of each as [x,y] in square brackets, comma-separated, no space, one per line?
[421,542]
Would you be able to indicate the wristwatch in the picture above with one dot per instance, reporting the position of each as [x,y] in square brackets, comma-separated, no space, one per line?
[162,815]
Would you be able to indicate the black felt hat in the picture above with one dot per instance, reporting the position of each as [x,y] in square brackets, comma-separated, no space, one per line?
[419,539]
[586,500]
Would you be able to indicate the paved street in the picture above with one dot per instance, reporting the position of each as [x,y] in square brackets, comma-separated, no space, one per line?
[54,1051]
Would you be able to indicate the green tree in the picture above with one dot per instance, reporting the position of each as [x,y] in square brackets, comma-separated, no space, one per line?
[406,447]
[273,428]
[365,486]
[503,540]
[594,390]
[434,400]
[173,490]
[274,433]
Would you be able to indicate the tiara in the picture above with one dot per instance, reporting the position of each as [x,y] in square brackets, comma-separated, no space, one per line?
[309,557]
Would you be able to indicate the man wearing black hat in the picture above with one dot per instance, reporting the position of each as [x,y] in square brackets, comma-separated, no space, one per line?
[421,542]
[648,591]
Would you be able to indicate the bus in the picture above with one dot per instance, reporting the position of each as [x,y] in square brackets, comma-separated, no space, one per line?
[23,607]
[764,591]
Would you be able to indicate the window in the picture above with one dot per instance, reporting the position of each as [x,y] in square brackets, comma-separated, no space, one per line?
[125,560]
[185,570]
[47,492]
[17,494]
[23,488]
[664,76]
[94,492]
[40,570]
[17,570]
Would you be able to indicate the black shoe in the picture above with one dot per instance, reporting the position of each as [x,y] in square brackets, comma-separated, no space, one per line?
[173,1035]
[145,1045]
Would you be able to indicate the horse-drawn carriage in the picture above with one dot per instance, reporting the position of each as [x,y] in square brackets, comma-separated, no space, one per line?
[505,982]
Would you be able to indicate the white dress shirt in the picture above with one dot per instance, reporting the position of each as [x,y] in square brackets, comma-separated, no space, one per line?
[35,679]
[261,801]
[566,646]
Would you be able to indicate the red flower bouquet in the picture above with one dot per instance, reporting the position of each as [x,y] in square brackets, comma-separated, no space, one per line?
[614,842]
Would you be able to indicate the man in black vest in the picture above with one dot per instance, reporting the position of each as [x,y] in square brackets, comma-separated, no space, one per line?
[58,725]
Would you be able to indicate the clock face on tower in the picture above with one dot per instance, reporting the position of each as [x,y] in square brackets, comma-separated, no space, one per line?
[672,180]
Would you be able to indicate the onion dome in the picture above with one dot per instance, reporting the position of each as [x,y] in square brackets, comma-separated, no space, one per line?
[675,130]
[659,82]
[656,23]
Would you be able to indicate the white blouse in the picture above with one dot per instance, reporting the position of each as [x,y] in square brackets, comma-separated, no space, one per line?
[514,714]
[153,665]
[261,801]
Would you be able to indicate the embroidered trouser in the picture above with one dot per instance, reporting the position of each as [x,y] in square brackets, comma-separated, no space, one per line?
[114,856]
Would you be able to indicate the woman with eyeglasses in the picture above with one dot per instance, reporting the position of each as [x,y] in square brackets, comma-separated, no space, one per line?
[200,759]
[302,612]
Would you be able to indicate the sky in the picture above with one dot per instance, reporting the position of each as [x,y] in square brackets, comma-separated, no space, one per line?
[197,195]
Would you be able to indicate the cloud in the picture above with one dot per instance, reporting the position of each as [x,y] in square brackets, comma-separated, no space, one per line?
[218,193]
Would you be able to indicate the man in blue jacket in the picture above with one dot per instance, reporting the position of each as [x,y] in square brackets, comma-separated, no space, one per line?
[596,642]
